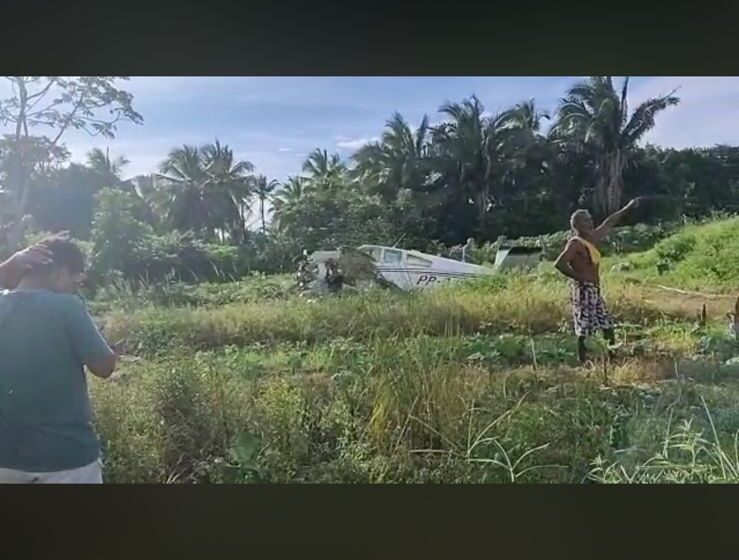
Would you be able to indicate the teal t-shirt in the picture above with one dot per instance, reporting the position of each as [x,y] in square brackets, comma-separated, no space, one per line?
[45,417]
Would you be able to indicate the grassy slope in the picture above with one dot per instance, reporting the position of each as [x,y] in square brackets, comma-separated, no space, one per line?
[699,257]
[475,383]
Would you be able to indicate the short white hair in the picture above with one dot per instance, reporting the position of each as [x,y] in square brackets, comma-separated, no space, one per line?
[578,215]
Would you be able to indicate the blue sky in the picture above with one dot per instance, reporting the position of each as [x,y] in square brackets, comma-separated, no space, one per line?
[276,122]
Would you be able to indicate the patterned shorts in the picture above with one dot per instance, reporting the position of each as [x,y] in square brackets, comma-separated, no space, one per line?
[589,309]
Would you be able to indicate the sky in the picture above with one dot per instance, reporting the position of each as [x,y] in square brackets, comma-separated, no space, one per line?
[274,122]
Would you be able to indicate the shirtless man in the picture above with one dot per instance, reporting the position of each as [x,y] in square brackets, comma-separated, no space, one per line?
[580,261]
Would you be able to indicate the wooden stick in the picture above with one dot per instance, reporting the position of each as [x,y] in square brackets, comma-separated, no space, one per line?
[686,292]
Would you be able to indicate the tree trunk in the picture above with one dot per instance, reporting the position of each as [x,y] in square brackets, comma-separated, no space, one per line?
[242,222]
[600,193]
[615,182]
[482,196]
[609,183]
[261,209]
[18,172]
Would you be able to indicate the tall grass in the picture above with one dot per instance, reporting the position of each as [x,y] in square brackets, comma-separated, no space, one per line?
[699,257]
[476,383]
[527,305]
[686,456]
[412,409]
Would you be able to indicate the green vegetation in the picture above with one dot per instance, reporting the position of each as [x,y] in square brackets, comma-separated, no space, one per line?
[699,257]
[477,382]
[516,173]
[230,376]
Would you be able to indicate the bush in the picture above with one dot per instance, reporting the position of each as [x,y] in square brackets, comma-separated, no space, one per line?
[622,240]
[183,257]
[254,288]
[125,247]
[116,234]
[699,257]
[271,253]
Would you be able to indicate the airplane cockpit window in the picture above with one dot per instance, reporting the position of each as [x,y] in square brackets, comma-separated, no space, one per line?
[412,260]
[393,256]
[374,252]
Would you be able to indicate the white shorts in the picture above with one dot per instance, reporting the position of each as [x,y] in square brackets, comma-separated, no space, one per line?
[89,474]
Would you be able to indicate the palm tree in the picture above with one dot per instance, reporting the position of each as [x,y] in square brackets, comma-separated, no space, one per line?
[180,183]
[595,115]
[145,191]
[204,189]
[524,120]
[526,115]
[398,161]
[527,148]
[323,170]
[108,169]
[263,189]
[288,198]
[232,182]
[470,151]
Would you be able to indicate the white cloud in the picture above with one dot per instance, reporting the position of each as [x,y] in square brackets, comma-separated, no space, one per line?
[284,150]
[355,144]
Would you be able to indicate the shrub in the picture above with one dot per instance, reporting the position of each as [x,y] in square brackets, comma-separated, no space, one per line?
[124,246]
[622,240]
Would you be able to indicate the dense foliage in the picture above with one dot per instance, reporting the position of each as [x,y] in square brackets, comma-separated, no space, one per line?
[247,382]
[516,173]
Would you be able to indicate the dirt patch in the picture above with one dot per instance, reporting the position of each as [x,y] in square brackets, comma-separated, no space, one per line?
[689,303]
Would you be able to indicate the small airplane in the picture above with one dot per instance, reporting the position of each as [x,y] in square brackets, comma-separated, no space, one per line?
[411,270]
[402,269]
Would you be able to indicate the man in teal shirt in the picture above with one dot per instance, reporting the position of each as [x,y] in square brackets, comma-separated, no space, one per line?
[46,338]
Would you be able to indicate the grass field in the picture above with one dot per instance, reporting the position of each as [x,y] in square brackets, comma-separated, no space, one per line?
[477,382]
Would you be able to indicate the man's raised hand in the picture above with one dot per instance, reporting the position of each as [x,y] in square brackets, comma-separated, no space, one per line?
[35,255]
